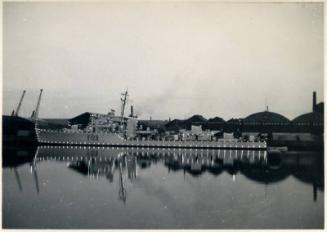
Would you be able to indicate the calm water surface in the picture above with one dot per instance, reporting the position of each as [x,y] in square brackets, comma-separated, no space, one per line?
[56,187]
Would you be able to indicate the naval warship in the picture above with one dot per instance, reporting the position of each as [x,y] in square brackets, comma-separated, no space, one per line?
[120,131]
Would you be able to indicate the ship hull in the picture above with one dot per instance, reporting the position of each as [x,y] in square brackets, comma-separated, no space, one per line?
[115,140]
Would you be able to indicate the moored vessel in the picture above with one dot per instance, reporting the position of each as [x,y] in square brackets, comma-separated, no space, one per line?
[62,137]
[92,129]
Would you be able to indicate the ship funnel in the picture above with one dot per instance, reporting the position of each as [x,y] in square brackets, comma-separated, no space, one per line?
[132,112]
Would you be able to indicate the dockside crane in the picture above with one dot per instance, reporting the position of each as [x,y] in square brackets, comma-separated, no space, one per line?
[16,112]
[35,113]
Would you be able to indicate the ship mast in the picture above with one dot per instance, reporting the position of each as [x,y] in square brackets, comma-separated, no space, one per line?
[123,104]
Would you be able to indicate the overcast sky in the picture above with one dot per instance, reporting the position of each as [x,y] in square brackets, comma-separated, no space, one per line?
[176,59]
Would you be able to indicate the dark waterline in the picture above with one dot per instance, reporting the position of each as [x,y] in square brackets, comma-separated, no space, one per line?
[92,188]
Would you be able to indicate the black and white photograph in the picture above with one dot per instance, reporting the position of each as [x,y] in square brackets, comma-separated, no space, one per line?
[163,115]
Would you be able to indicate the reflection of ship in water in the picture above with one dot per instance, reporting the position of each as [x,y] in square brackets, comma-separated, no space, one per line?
[13,157]
[256,165]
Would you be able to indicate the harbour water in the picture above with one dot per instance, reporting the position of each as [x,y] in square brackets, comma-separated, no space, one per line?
[115,188]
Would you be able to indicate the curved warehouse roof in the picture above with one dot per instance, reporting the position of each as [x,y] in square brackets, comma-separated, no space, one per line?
[313,117]
[266,117]
[216,120]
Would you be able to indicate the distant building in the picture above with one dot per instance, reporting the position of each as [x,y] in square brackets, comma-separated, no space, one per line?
[309,123]
[215,123]
[233,125]
[306,130]
[265,122]
[175,125]
[320,108]
[312,122]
